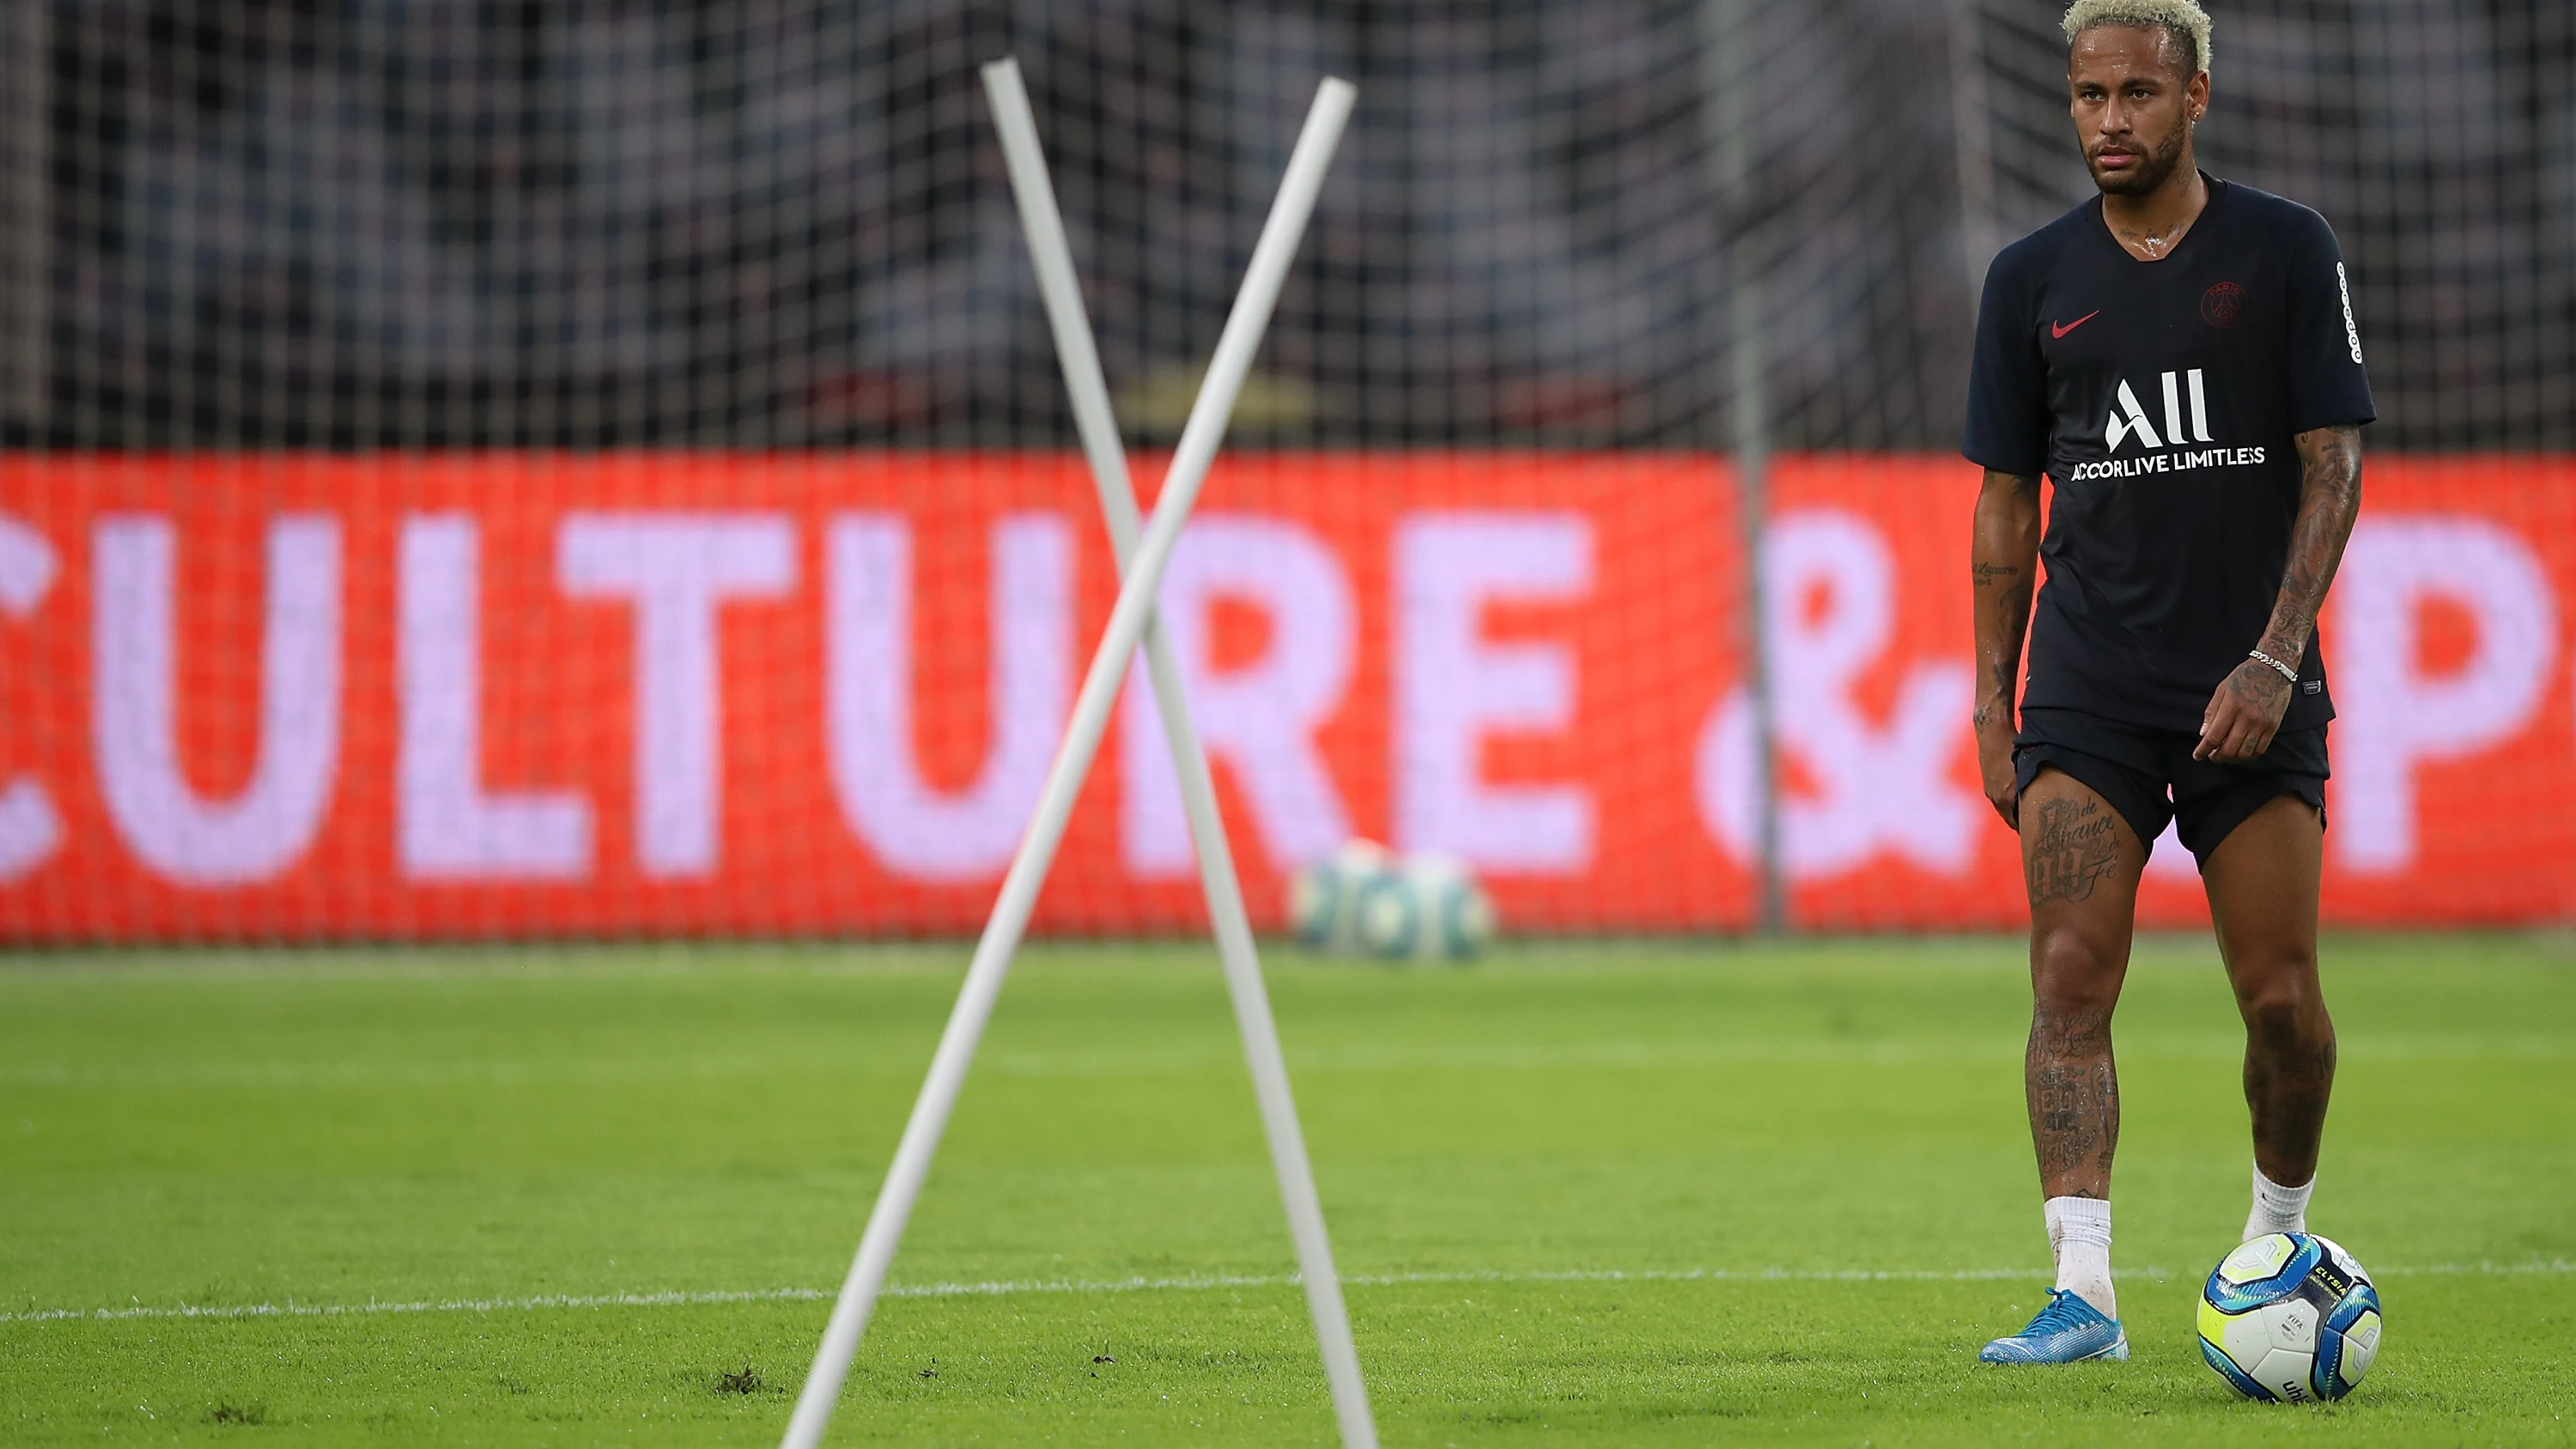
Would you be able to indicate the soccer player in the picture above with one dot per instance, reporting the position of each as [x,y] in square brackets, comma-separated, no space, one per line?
[2179,357]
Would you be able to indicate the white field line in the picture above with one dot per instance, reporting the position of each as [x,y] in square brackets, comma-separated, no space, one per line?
[1352,1059]
[1014,1287]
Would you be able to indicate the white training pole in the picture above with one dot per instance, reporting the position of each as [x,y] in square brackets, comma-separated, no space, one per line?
[1205,429]
[1089,389]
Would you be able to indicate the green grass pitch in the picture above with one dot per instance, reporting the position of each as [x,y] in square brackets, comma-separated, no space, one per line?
[1586,1194]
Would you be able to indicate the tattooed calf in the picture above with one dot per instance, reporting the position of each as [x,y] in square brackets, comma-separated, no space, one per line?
[2074,1092]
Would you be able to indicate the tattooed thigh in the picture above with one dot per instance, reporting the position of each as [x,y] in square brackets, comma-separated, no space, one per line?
[2071,849]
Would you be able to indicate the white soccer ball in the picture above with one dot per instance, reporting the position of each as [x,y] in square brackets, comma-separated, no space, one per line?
[1324,895]
[1430,909]
[2290,1318]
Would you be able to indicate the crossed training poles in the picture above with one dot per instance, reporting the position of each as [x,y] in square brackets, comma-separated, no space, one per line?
[1141,562]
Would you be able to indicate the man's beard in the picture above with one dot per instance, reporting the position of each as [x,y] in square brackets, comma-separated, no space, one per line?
[2153,169]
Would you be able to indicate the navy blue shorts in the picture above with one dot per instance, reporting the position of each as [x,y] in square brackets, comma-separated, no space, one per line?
[2150,777]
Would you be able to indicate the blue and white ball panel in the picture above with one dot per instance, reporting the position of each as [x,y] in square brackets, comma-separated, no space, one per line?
[2261,1271]
[1466,920]
[2345,1354]
[1458,917]
[2355,1348]
[2352,1327]
[1390,916]
[1324,895]
[2227,1369]
[1314,902]
[2276,1346]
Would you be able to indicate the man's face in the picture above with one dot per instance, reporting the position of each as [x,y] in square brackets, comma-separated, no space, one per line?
[2133,105]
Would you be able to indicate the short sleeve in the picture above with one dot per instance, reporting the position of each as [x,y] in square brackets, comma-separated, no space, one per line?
[2328,384]
[2008,415]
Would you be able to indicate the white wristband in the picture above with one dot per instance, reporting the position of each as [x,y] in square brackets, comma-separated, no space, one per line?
[2289,672]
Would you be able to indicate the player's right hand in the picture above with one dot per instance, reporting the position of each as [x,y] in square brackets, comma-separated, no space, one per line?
[1995,767]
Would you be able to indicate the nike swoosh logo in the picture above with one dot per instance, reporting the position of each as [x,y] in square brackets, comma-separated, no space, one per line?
[2055,330]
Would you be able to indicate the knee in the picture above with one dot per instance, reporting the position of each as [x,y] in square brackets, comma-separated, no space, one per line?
[2282,1006]
[2072,975]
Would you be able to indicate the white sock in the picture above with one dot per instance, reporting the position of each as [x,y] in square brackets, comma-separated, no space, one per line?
[2079,1233]
[2277,1209]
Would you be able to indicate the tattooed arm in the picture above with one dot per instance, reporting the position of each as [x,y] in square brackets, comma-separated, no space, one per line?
[2246,711]
[2003,561]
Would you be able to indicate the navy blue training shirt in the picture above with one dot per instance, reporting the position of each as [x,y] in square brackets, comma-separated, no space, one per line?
[2161,399]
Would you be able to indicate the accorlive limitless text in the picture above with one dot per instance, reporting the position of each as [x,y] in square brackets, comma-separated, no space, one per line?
[2167,463]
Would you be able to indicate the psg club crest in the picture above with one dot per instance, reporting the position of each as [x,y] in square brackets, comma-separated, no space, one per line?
[2223,305]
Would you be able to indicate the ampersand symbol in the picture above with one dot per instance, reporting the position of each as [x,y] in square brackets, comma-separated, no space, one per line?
[1875,787]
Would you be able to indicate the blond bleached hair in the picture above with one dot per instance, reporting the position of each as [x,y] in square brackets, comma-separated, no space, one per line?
[2182,19]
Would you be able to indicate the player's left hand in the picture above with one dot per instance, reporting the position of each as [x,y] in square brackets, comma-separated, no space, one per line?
[2243,715]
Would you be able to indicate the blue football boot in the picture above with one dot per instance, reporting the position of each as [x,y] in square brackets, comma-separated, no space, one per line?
[2068,1330]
